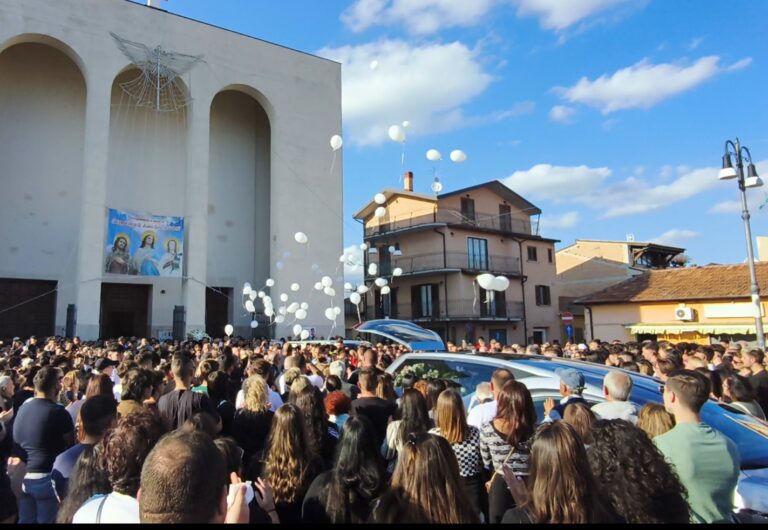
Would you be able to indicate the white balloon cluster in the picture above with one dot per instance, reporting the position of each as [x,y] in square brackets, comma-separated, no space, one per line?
[489,282]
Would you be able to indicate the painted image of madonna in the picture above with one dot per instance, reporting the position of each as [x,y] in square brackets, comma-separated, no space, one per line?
[144,259]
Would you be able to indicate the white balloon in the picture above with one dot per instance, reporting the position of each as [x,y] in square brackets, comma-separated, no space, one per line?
[342,258]
[363,246]
[282,311]
[373,269]
[385,289]
[262,294]
[380,282]
[252,295]
[295,287]
[297,329]
[355,298]
[330,314]
[300,238]
[293,308]
[279,319]
[330,291]
[501,283]
[458,156]
[318,286]
[229,329]
[379,198]
[337,310]
[486,281]
[267,300]
[406,124]
[246,289]
[283,297]
[279,265]
[301,314]
[269,311]
[397,271]
[434,155]
[374,65]
[397,134]
[362,289]
[380,212]
[336,142]
[327,281]
[250,307]
[305,334]
[391,249]
[304,306]
[347,286]
[254,324]
[270,282]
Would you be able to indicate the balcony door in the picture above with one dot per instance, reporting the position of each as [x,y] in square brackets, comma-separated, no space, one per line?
[505,218]
[385,261]
[477,250]
[468,210]
[493,304]
[425,301]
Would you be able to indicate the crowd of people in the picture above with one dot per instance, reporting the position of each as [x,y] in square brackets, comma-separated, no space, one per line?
[238,431]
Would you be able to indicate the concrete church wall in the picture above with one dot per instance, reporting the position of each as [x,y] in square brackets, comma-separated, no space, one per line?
[93,152]
[42,119]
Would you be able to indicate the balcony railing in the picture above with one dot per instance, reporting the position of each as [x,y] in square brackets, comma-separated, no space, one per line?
[456,310]
[453,260]
[480,221]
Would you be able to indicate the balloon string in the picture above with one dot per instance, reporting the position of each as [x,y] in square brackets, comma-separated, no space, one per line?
[359,318]
[474,292]
[402,156]
[333,163]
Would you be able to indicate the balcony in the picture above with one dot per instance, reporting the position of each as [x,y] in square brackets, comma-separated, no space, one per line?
[453,260]
[447,217]
[458,310]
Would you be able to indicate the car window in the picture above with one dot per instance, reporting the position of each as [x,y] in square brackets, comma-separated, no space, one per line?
[466,374]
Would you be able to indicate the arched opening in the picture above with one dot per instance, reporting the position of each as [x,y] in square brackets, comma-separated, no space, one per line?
[42,128]
[239,206]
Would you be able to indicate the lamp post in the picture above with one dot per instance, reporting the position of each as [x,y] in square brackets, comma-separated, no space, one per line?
[752,180]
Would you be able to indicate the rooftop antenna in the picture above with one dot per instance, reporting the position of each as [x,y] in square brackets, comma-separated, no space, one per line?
[630,238]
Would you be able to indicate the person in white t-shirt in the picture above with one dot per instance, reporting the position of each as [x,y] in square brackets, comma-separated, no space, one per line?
[485,412]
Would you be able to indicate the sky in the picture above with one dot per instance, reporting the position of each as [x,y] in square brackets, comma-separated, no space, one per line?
[609,115]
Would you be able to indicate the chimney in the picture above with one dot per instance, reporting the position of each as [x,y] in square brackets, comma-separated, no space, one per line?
[408,181]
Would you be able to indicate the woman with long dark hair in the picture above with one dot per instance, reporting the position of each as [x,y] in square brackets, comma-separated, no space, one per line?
[88,479]
[426,487]
[291,466]
[322,434]
[347,492]
[640,485]
[738,393]
[414,418]
[561,487]
[451,424]
[505,442]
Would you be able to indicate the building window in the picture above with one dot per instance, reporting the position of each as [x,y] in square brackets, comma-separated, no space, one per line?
[505,218]
[542,295]
[549,254]
[425,300]
[477,250]
[493,303]
[532,254]
[468,209]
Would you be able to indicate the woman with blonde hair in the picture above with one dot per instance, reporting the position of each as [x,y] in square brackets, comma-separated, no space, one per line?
[426,487]
[252,423]
[451,424]
[655,420]
[290,466]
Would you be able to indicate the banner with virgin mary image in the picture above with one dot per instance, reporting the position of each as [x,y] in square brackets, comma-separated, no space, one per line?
[141,244]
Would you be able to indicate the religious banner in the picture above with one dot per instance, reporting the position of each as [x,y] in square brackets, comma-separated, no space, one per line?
[144,245]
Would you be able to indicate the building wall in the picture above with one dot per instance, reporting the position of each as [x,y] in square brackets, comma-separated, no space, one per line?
[486,201]
[87,168]
[401,209]
[613,251]
[542,272]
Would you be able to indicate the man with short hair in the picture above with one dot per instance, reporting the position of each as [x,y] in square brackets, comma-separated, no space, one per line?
[706,461]
[43,429]
[370,359]
[379,411]
[571,386]
[753,361]
[179,405]
[184,480]
[485,412]
[650,352]
[339,369]
[97,415]
[616,388]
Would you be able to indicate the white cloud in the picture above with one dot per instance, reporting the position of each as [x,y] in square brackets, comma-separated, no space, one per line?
[560,14]
[738,65]
[559,222]
[675,237]
[643,84]
[420,17]
[695,43]
[424,84]
[561,114]
[557,183]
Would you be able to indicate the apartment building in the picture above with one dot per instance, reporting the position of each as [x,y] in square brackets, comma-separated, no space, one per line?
[589,266]
[442,243]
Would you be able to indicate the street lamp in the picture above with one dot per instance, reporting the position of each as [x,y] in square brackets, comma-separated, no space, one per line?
[752,180]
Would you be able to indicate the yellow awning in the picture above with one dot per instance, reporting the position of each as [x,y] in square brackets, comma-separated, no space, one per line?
[704,329]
